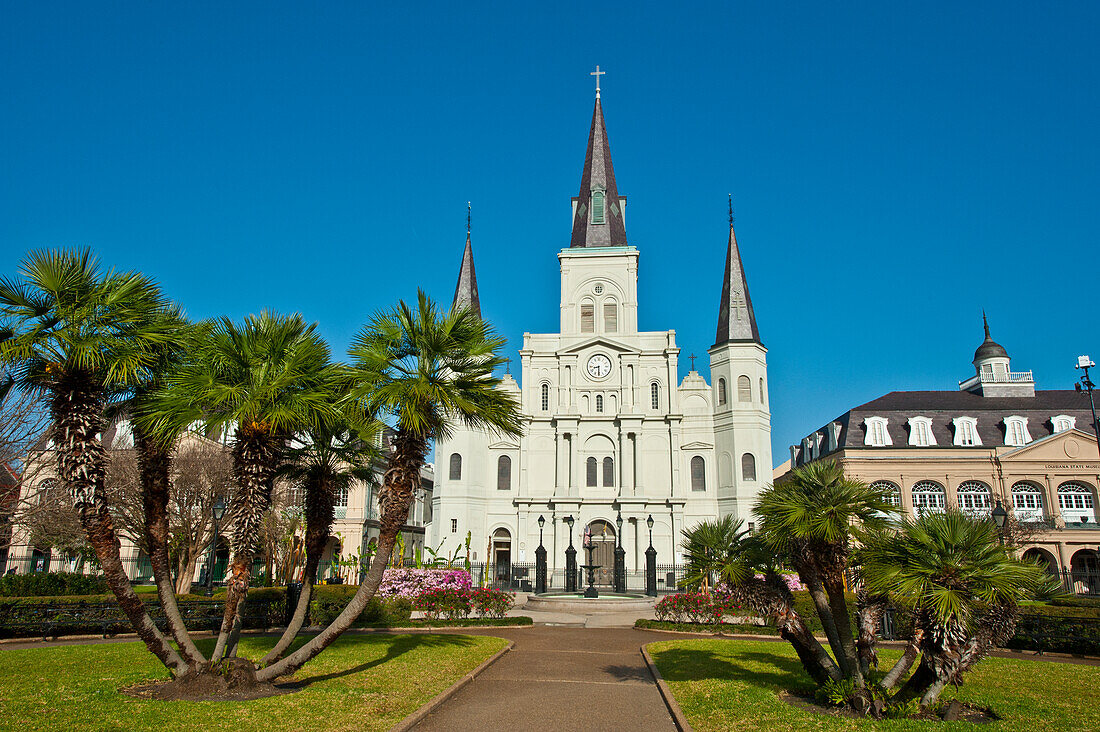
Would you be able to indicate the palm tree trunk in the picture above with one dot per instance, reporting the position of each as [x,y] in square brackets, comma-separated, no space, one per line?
[905,662]
[824,611]
[320,511]
[399,483]
[76,409]
[868,619]
[842,616]
[254,462]
[919,682]
[154,462]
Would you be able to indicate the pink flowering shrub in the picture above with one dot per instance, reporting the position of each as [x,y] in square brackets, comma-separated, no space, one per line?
[697,607]
[414,582]
[454,603]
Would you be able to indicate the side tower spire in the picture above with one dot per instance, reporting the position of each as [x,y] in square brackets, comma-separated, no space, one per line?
[598,219]
[736,319]
[466,289]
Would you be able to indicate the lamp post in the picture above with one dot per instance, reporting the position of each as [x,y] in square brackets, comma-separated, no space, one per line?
[1000,515]
[650,562]
[540,561]
[218,511]
[570,559]
[620,556]
[1085,363]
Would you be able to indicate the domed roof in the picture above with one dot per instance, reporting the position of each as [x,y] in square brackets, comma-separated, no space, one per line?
[989,348]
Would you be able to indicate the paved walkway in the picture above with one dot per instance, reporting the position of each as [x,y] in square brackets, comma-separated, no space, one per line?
[563,679]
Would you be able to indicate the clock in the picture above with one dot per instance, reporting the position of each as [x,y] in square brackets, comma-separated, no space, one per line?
[599,366]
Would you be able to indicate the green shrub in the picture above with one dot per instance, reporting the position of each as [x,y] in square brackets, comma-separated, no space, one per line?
[328,601]
[1058,629]
[51,584]
[1093,602]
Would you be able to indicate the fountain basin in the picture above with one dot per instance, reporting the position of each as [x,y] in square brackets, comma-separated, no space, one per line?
[577,603]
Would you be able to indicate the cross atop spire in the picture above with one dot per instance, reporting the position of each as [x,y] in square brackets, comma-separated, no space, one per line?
[731,210]
[597,73]
[467,219]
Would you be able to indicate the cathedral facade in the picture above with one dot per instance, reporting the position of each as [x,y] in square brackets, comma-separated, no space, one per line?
[610,429]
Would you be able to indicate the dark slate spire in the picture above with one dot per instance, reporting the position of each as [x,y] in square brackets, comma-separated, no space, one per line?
[466,289]
[736,320]
[598,177]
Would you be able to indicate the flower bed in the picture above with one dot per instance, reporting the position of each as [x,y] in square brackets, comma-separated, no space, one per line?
[457,603]
[700,607]
[414,582]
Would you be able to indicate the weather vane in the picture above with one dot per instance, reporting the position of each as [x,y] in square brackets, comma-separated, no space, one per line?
[597,73]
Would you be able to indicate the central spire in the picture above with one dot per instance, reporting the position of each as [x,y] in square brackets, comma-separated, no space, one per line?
[598,214]
[466,289]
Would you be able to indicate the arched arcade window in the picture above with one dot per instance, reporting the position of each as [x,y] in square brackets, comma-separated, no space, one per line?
[974,498]
[1027,501]
[891,491]
[928,497]
[1076,504]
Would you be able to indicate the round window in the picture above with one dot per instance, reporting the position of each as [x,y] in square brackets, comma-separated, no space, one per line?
[598,289]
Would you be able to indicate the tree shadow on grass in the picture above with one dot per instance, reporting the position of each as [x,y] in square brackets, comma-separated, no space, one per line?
[400,645]
[697,664]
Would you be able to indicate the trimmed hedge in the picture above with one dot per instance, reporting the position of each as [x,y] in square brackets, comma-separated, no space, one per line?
[51,584]
[328,601]
[1058,629]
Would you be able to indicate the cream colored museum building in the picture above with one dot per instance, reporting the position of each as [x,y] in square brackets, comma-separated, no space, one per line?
[610,429]
[995,438]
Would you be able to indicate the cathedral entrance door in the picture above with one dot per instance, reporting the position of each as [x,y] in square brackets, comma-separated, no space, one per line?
[603,552]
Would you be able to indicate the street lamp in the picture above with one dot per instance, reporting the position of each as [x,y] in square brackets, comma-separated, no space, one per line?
[540,561]
[570,559]
[620,556]
[1000,515]
[1085,363]
[218,511]
[650,562]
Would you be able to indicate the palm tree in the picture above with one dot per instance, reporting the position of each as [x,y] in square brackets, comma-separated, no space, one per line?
[711,552]
[961,585]
[425,369]
[80,336]
[263,381]
[809,520]
[325,462]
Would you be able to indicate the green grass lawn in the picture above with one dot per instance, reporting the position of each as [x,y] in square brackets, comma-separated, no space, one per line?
[733,684]
[366,682]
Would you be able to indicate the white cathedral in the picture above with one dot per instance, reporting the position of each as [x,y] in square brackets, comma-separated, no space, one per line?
[608,430]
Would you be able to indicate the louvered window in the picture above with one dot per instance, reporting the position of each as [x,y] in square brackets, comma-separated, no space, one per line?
[588,318]
[608,472]
[721,391]
[744,389]
[591,469]
[504,473]
[456,467]
[748,466]
[597,207]
[610,317]
[698,474]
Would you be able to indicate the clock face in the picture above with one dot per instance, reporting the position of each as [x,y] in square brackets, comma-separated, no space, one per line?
[599,366]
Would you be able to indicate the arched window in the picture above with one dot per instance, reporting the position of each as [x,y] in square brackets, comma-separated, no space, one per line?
[698,474]
[721,391]
[1027,501]
[1075,503]
[966,431]
[599,402]
[608,472]
[1016,433]
[890,491]
[744,389]
[1063,422]
[877,434]
[920,432]
[597,207]
[763,399]
[588,317]
[974,498]
[610,318]
[928,497]
[545,394]
[591,470]
[456,467]
[748,466]
[504,473]
[655,395]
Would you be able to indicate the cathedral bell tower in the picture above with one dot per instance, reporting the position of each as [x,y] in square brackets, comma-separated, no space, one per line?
[739,378]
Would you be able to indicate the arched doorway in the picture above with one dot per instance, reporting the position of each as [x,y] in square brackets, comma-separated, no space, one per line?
[600,535]
[1044,558]
[1085,572]
[501,558]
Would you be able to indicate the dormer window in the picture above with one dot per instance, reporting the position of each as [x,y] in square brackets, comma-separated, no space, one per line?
[1063,422]
[966,431]
[834,435]
[1016,434]
[877,434]
[598,208]
[920,432]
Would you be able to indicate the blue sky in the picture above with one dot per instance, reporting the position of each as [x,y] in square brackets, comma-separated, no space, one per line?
[896,167]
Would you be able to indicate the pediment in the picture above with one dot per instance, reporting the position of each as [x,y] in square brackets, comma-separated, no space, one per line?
[1073,444]
[503,445]
[603,341]
[697,445]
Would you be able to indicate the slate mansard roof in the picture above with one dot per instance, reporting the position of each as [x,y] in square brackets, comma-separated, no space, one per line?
[944,406]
